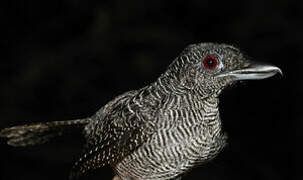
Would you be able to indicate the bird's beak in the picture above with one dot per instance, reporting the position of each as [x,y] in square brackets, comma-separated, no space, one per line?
[252,70]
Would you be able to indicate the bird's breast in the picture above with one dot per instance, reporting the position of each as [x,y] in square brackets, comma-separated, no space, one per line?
[182,139]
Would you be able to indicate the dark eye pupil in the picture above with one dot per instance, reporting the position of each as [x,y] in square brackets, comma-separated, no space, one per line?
[210,62]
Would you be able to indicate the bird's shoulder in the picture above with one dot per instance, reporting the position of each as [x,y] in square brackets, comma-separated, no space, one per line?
[131,109]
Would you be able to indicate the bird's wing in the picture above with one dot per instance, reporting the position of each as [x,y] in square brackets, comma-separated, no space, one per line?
[127,127]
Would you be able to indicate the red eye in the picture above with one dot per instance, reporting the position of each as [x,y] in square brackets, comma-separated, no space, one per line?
[210,62]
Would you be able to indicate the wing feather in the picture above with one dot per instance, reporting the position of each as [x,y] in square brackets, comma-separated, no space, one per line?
[125,127]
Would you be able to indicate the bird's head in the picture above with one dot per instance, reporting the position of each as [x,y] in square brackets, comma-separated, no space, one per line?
[207,68]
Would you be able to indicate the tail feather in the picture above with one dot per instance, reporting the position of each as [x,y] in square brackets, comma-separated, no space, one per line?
[39,133]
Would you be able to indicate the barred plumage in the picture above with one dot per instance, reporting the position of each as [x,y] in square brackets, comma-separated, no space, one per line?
[164,129]
[180,137]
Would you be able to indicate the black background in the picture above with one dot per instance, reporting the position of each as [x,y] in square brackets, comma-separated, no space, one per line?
[64,59]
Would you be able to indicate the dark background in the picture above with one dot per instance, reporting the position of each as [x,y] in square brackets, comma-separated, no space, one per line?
[64,59]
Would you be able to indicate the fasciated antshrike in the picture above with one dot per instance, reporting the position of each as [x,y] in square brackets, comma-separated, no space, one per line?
[162,130]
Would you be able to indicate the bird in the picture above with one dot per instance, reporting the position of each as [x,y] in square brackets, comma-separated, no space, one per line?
[163,130]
